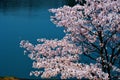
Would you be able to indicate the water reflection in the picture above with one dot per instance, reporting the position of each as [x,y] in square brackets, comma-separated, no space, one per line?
[28,20]
[15,5]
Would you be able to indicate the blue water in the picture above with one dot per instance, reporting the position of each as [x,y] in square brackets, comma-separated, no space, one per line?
[24,20]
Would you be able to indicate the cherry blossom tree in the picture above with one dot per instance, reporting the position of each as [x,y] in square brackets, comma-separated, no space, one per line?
[92,30]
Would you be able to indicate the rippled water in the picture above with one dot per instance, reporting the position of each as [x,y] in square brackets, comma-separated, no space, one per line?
[28,20]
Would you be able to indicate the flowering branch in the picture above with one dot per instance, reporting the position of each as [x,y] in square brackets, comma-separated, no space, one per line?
[91,28]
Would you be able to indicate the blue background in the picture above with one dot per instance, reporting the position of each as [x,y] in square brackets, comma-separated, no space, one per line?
[24,20]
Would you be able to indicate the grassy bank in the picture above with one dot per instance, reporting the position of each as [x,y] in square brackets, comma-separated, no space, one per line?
[11,78]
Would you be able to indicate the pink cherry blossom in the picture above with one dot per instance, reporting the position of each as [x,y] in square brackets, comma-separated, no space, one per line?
[92,28]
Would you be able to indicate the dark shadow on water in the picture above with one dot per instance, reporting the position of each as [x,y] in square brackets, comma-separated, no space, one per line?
[14,5]
[29,6]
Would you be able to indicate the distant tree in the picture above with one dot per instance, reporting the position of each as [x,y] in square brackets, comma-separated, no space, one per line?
[92,29]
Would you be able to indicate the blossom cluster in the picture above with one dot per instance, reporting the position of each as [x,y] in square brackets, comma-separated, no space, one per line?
[60,57]
[51,48]
[70,70]
[90,28]
[87,20]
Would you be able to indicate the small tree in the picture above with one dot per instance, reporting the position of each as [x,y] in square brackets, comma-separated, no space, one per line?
[92,29]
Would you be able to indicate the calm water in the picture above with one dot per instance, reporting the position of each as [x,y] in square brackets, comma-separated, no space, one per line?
[28,20]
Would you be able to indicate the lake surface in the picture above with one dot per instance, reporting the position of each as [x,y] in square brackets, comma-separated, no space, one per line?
[24,20]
